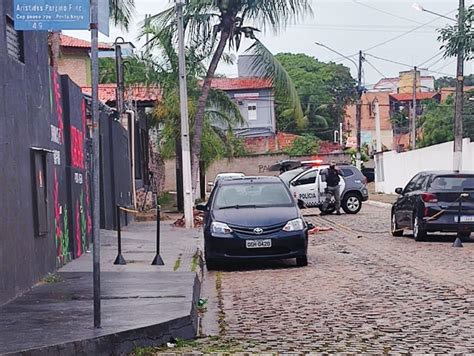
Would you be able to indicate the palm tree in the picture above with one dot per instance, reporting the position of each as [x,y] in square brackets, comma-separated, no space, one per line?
[221,113]
[215,24]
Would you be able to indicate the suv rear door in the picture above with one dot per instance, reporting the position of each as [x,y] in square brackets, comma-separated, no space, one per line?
[304,187]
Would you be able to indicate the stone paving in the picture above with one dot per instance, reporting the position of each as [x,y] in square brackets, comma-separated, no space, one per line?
[363,292]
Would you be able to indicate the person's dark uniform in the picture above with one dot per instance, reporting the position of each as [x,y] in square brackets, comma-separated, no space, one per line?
[332,180]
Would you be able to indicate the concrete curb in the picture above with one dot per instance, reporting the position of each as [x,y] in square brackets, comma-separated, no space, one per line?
[379,204]
[126,341]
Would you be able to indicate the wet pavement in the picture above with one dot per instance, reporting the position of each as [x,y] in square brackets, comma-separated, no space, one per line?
[141,304]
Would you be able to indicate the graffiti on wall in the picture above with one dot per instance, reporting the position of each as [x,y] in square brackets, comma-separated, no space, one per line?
[77,148]
[58,105]
[61,227]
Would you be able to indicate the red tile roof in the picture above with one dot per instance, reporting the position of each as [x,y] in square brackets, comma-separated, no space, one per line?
[107,93]
[409,96]
[241,83]
[68,41]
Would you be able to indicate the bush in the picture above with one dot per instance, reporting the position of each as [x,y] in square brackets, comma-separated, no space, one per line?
[304,145]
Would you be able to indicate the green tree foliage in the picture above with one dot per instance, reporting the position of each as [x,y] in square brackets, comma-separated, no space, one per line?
[137,70]
[304,145]
[324,89]
[437,121]
[217,24]
[453,39]
[445,82]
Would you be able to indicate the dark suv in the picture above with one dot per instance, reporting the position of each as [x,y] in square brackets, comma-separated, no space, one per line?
[435,201]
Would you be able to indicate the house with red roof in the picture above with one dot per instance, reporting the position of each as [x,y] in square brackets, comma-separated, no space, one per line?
[74,59]
[254,97]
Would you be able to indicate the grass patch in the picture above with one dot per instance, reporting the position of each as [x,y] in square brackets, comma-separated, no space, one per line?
[177,263]
[206,346]
[195,262]
[52,278]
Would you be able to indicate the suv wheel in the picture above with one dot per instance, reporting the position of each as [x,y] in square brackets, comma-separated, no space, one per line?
[302,261]
[418,232]
[394,229]
[351,203]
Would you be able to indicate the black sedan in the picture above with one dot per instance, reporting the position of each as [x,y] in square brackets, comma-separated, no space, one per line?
[253,218]
[435,202]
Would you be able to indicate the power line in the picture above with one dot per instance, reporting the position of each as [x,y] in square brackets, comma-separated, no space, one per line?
[386,12]
[429,59]
[405,33]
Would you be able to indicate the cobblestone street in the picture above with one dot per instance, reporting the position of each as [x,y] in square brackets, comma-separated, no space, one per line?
[363,291]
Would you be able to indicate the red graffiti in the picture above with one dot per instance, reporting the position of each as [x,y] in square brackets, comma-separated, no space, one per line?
[78,231]
[57,212]
[77,148]
[59,107]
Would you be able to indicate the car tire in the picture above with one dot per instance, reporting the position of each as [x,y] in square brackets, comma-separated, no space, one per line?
[419,234]
[302,261]
[351,203]
[464,235]
[394,229]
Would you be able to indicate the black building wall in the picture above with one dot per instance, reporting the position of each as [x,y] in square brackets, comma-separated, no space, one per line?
[26,253]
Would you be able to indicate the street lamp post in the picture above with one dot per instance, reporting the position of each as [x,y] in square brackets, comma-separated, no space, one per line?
[458,105]
[183,101]
[359,99]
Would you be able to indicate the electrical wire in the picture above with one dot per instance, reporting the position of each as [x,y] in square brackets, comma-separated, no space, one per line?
[429,59]
[386,12]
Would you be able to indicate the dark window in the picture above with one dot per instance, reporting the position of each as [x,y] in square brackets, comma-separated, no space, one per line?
[40,192]
[347,172]
[411,185]
[420,182]
[308,178]
[15,46]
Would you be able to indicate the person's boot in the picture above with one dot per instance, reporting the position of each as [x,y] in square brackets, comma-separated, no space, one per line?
[338,212]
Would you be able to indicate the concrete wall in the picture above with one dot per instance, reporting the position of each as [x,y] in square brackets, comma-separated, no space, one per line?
[25,256]
[396,169]
[257,165]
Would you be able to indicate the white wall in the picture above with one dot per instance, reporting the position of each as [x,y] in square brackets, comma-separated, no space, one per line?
[396,169]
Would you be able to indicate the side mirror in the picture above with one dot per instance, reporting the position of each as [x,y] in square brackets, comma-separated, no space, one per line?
[399,191]
[210,184]
[301,204]
[202,207]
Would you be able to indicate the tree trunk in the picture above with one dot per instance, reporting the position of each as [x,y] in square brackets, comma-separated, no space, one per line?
[199,118]
[202,180]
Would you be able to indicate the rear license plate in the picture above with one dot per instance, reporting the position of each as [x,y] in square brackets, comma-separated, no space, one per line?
[465,218]
[258,243]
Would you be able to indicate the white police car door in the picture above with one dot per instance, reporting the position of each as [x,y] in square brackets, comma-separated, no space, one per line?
[305,187]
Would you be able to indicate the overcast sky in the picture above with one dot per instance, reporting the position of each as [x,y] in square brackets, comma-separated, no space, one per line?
[348,26]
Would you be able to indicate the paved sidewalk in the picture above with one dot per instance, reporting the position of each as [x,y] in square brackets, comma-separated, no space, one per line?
[142,305]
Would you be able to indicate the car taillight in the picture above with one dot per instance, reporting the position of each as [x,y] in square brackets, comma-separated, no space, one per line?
[429,197]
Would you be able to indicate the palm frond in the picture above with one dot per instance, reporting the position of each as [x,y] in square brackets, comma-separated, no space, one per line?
[265,63]
[218,101]
[121,12]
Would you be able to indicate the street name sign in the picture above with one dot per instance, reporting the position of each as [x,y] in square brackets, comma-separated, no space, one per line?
[53,15]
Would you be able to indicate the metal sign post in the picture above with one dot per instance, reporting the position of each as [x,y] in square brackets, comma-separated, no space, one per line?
[96,166]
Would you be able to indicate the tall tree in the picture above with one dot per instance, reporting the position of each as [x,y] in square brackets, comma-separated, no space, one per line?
[325,90]
[220,23]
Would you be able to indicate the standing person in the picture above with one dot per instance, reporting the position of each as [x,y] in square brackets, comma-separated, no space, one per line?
[332,175]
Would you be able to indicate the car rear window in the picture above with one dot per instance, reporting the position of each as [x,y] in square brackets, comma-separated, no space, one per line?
[258,194]
[347,172]
[456,183]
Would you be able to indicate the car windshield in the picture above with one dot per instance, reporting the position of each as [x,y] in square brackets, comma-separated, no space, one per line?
[252,195]
[456,183]
[288,176]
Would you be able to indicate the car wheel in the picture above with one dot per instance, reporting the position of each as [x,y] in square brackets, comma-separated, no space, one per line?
[302,261]
[211,264]
[464,234]
[351,203]
[418,232]
[394,229]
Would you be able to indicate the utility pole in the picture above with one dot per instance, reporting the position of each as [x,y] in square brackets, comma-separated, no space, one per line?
[359,111]
[183,101]
[458,105]
[413,113]
[94,27]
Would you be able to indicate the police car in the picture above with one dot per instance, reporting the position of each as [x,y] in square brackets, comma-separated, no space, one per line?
[308,184]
